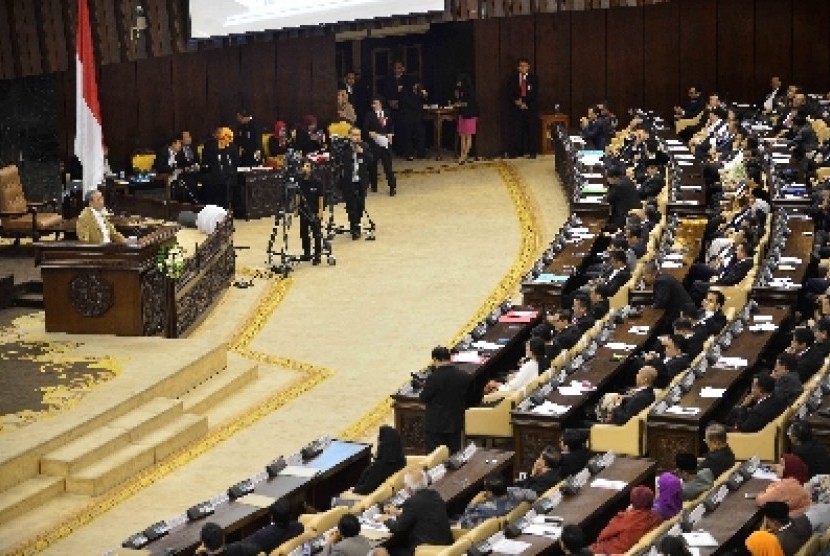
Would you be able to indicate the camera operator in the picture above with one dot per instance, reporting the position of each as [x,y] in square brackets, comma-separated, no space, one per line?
[355,179]
[311,201]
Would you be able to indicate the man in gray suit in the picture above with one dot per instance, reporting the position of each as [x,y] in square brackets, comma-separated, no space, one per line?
[346,540]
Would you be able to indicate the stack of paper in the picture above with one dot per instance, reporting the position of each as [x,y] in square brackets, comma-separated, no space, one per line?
[608,483]
[550,408]
[709,392]
[680,410]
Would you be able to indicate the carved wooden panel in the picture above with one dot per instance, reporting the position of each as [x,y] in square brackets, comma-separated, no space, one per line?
[409,422]
[210,285]
[90,294]
[54,37]
[530,441]
[665,443]
[158,27]
[7,58]
[105,35]
[153,303]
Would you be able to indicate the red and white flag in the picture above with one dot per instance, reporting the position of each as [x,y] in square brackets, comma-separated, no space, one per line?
[89,138]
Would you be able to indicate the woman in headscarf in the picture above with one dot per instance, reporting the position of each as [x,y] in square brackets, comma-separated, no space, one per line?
[763,543]
[669,495]
[389,459]
[627,527]
[790,489]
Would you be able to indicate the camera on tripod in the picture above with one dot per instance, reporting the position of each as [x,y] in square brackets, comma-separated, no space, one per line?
[292,169]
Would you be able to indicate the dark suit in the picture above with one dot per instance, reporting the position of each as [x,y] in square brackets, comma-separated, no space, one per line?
[573,462]
[219,169]
[815,455]
[542,482]
[444,393]
[585,322]
[632,405]
[652,186]
[809,362]
[372,123]
[187,157]
[792,536]
[667,370]
[311,200]
[597,133]
[711,325]
[788,387]
[525,125]
[622,197]
[354,184]
[618,280]
[599,309]
[162,163]
[669,294]
[248,140]
[757,416]
[423,520]
[718,461]
[271,536]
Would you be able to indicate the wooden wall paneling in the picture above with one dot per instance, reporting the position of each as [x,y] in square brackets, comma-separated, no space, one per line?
[662,86]
[293,80]
[26,30]
[811,45]
[7,58]
[135,47]
[323,76]
[626,52]
[736,50]
[190,95]
[223,94]
[53,38]
[489,87]
[158,27]
[154,83]
[65,113]
[773,42]
[179,25]
[588,60]
[105,34]
[553,61]
[698,44]
[258,81]
[496,8]
[117,92]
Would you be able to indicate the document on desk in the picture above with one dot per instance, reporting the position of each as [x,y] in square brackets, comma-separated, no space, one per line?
[381,140]
[732,362]
[299,471]
[481,344]
[680,410]
[470,356]
[546,278]
[507,546]
[543,530]
[709,392]
[622,346]
[639,330]
[700,538]
[671,264]
[257,500]
[609,484]
[550,408]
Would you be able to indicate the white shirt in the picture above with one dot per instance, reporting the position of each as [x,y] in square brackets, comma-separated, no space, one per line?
[524,376]
[102,225]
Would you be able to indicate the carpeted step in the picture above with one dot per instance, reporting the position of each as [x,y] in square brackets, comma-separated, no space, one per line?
[84,451]
[29,495]
[185,429]
[238,373]
[142,421]
[111,469]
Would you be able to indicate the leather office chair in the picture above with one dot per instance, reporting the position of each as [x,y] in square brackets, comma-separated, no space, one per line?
[323,521]
[458,548]
[811,547]
[510,516]
[767,443]
[438,455]
[629,439]
[683,123]
[19,217]
[291,544]
[144,162]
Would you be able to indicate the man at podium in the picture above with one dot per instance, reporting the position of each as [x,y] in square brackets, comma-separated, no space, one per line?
[93,226]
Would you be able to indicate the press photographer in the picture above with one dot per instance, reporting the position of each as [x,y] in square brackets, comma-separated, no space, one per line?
[310,208]
[354,179]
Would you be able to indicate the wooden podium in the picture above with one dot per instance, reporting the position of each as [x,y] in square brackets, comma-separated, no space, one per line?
[117,289]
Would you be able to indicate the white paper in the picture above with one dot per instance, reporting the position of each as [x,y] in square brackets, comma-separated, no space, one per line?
[550,408]
[620,345]
[671,264]
[570,391]
[761,318]
[299,471]
[700,538]
[790,260]
[381,140]
[481,344]
[681,410]
[508,546]
[731,362]
[709,392]
[543,530]
[608,483]
[639,330]
[466,357]
[674,257]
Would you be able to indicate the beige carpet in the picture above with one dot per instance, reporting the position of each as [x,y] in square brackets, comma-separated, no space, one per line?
[347,335]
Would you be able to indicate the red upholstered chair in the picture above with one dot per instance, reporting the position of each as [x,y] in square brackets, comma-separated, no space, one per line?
[18,217]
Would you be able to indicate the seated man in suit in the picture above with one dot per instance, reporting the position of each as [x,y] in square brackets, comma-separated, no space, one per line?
[283,527]
[720,456]
[695,481]
[565,334]
[809,357]
[545,472]
[759,407]
[730,275]
[599,300]
[619,274]
[654,181]
[619,408]
[497,499]
[673,362]
[421,519]
[713,319]
[165,161]
[93,226]
[187,158]
[791,532]
[810,449]
[346,540]
[581,312]
[669,293]
[787,382]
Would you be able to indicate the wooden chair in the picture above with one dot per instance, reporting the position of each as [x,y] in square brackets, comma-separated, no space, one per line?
[767,443]
[288,546]
[629,439]
[144,162]
[438,455]
[19,217]
[323,521]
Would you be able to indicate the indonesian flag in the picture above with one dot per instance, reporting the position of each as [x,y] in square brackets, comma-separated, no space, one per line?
[89,138]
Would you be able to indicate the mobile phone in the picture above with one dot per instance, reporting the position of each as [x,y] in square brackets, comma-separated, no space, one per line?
[750,495]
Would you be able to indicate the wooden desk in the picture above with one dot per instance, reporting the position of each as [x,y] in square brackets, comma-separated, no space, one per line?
[339,467]
[593,507]
[670,434]
[798,244]
[459,486]
[408,408]
[570,261]
[438,117]
[259,194]
[533,431]
[734,519]
[547,123]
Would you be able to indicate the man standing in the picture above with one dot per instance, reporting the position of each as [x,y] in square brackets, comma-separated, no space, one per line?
[355,179]
[93,226]
[248,139]
[165,161]
[622,197]
[523,92]
[379,126]
[445,394]
[311,197]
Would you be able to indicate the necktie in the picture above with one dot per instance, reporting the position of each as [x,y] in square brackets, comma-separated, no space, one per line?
[523,85]
[382,119]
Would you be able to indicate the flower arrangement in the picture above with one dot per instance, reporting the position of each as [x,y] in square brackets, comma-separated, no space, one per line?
[170,260]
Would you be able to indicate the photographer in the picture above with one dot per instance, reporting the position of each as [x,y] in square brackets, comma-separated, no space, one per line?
[311,201]
[355,179]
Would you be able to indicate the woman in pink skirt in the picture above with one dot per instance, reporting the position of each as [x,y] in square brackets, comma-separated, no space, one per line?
[465,102]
